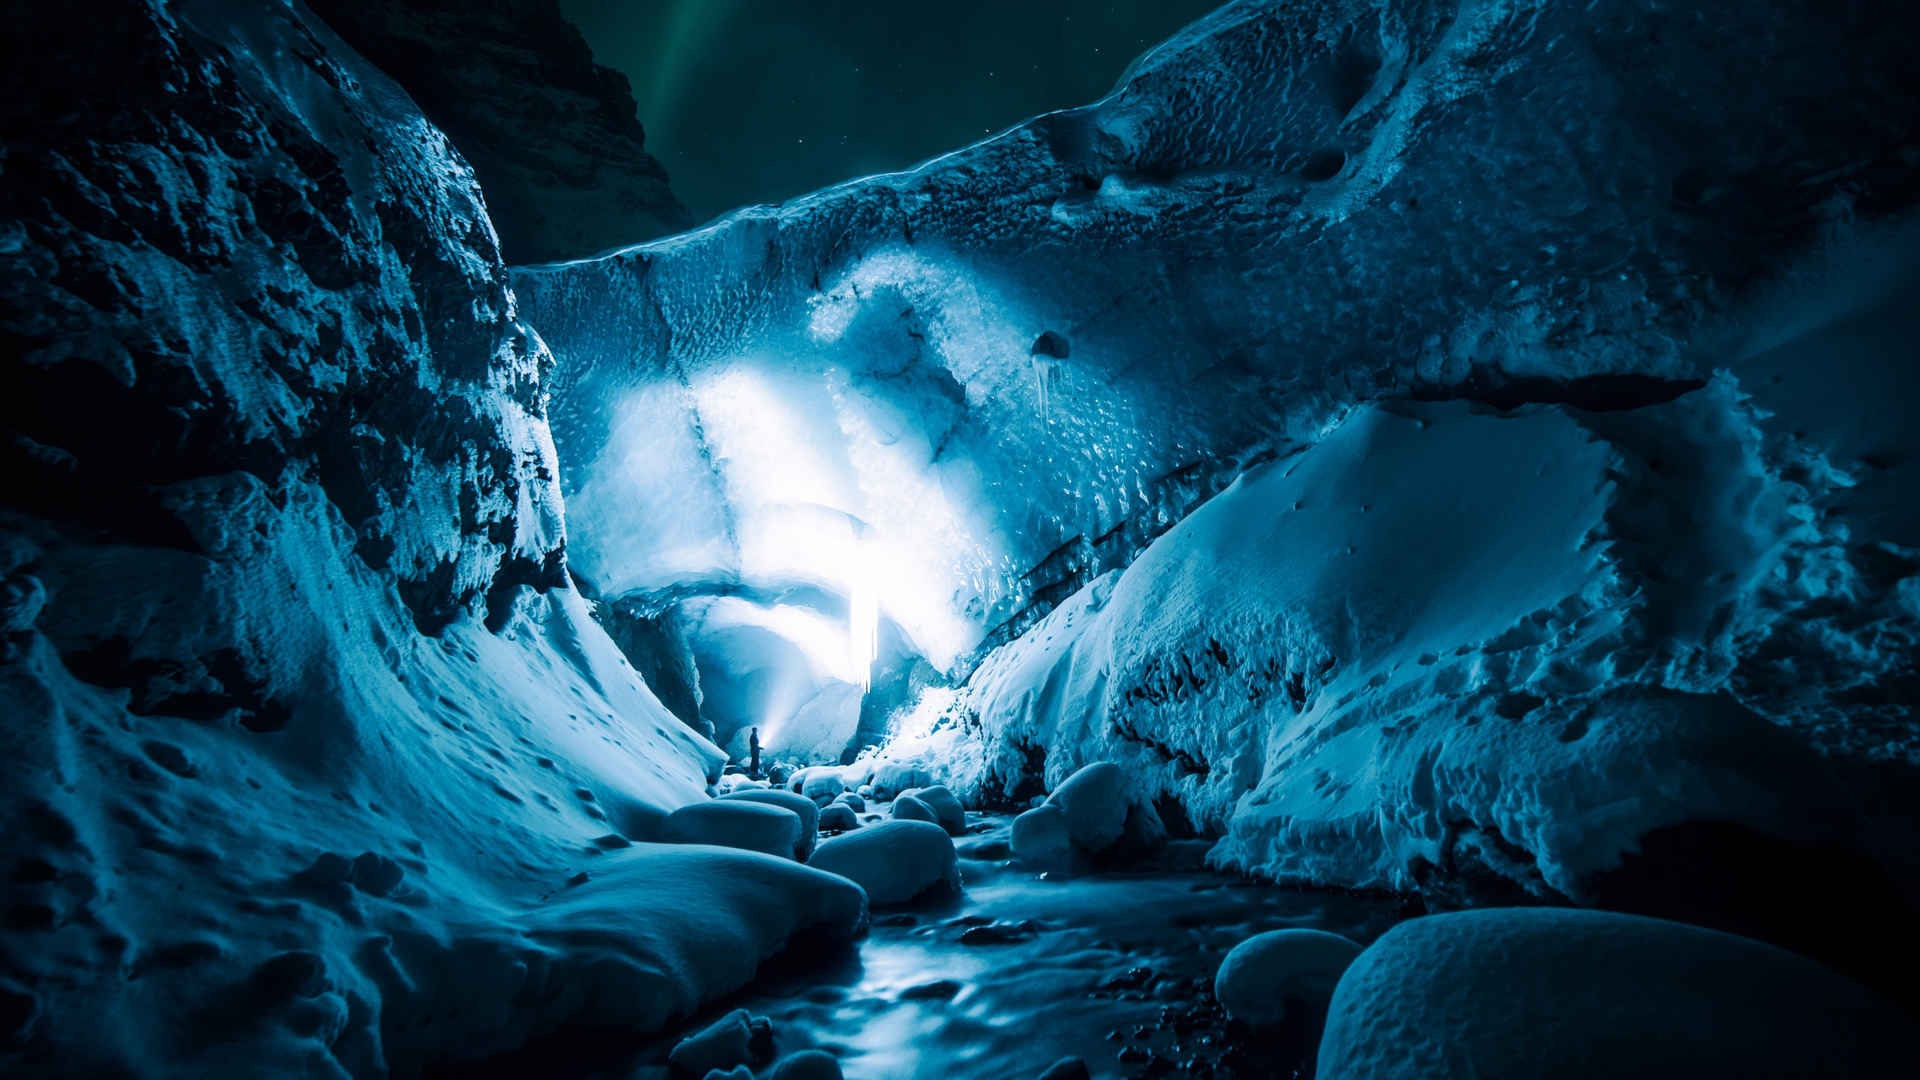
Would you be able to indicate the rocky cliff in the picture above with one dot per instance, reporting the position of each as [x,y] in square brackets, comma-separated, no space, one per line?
[551,135]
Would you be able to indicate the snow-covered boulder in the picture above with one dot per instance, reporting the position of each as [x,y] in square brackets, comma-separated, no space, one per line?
[1041,838]
[807,1065]
[894,861]
[890,778]
[854,800]
[947,811]
[909,808]
[736,1040]
[807,809]
[821,784]
[1502,994]
[1094,801]
[1269,976]
[838,817]
[736,823]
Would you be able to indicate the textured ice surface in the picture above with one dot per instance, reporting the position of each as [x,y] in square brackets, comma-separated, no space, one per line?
[1026,352]
[1444,640]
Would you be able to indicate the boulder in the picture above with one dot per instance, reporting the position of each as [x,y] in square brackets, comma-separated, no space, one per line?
[734,823]
[857,802]
[948,813]
[911,808]
[1040,838]
[838,817]
[1505,993]
[1270,975]
[807,1065]
[821,785]
[894,861]
[891,778]
[735,1040]
[1095,802]
[807,809]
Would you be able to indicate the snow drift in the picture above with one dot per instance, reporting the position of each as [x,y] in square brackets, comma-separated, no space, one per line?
[313,762]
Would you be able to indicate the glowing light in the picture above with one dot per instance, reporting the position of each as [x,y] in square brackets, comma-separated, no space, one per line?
[863,626]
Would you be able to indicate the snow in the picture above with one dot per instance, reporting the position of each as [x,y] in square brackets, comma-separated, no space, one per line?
[908,808]
[1502,993]
[317,765]
[1094,801]
[894,861]
[1442,637]
[754,826]
[821,785]
[1270,976]
[941,376]
[726,1044]
[804,808]
[1041,838]
[945,806]
[807,1065]
[314,762]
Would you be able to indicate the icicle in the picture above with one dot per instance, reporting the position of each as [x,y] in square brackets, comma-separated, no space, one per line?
[1042,378]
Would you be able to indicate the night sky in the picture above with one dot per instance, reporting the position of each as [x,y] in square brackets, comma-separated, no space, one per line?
[748,101]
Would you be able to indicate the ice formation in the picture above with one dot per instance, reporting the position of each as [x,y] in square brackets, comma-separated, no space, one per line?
[1549,531]
[1453,448]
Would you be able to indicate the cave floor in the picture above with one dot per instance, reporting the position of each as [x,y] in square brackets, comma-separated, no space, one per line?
[1019,971]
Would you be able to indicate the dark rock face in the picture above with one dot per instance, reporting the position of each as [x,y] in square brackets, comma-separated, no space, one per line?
[361,336]
[657,647]
[552,136]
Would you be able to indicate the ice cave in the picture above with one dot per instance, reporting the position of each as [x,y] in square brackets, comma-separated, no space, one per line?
[764,540]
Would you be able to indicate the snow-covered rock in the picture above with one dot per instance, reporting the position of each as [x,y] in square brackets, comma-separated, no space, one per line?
[737,823]
[838,817]
[1094,802]
[857,803]
[894,861]
[947,811]
[1509,993]
[553,137]
[890,778]
[735,1041]
[316,765]
[906,807]
[1067,1069]
[1041,837]
[807,1065]
[1269,976]
[820,785]
[807,810]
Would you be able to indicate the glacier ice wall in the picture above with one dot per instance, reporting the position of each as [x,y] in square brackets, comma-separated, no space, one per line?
[314,764]
[1559,349]
[993,376]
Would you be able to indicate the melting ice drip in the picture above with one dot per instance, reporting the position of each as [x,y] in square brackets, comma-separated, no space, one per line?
[1048,348]
[863,628]
[1042,378]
